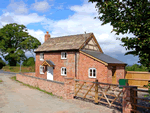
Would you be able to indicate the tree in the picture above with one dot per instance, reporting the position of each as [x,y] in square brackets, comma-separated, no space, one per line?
[129,16]
[2,63]
[15,41]
[29,62]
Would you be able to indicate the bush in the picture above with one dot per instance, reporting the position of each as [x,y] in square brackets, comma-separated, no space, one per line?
[2,63]
[136,67]
[29,62]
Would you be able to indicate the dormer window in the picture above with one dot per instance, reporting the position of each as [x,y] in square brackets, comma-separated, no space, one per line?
[63,55]
[41,56]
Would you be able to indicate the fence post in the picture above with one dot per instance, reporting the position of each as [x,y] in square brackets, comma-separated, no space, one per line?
[96,91]
[134,100]
[129,101]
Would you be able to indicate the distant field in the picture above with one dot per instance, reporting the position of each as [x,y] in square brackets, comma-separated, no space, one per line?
[17,69]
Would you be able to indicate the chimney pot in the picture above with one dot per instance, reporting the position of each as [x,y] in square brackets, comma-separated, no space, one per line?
[47,36]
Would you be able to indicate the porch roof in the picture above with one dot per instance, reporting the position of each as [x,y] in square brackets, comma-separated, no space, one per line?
[48,63]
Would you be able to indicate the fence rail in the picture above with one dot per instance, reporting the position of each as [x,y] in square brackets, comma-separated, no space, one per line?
[111,95]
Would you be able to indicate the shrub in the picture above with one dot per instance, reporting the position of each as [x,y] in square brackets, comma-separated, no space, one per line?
[29,62]
[136,67]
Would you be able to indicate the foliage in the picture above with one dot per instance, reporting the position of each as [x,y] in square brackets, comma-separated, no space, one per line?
[1,81]
[29,62]
[129,16]
[17,68]
[2,63]
[136,67]
[15,41]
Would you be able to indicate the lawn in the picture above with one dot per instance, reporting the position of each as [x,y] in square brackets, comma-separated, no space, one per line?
[17,68]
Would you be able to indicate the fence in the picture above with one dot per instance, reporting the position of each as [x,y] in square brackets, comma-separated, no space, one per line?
[124,98]
[137,78]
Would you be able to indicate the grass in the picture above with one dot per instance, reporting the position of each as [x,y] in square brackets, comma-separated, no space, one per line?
[14,78]
[17,69]
[1,81]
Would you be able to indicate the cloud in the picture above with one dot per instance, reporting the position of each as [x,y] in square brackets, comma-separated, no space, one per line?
[39,34]
[83,20]
[7,18]
[41,6]
[17,7]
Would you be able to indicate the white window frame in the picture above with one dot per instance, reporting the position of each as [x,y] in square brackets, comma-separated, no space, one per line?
[92,72]
[63,73]
[63,55]
[41,56]
[41,70]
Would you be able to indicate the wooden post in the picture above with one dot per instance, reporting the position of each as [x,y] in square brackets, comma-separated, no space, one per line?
[134,98]
[96,91]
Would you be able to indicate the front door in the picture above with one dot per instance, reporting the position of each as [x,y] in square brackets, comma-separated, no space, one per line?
[49,73]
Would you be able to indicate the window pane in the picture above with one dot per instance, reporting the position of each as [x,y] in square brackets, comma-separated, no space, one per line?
[65,71]
[62,70]
[90,72]
[94,72]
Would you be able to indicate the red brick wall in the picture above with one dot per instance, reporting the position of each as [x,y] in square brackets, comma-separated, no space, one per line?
[120,73]
[65,89]
[55,57]
[85,63]
[30,74]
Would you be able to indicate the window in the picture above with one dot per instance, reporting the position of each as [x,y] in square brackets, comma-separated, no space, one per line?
[92,73]
[41,69]
[63,71]
[63,55]
[42,56]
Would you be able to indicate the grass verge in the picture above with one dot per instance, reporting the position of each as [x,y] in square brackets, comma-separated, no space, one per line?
[17,68]
[14,78]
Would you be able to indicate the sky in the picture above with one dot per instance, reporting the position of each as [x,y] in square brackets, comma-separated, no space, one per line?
[61,18]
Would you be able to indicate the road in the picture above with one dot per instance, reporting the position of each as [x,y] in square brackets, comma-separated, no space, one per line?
[17,98]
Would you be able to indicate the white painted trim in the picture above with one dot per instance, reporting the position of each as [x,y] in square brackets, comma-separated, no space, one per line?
[92,73]
[62,73]
[40,69]
[62,54]
[42,55]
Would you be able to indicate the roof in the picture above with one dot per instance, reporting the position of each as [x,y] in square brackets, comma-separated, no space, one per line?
[103,57]
[72,42]
[48,62]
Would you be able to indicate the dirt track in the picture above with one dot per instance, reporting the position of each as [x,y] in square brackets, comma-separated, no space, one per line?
[16,98]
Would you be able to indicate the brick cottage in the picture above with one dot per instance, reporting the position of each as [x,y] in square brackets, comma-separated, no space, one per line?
[77,56]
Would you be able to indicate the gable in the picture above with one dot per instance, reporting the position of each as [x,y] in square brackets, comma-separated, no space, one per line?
[91,44]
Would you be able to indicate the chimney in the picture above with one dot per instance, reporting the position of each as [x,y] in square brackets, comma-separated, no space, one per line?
[47,36]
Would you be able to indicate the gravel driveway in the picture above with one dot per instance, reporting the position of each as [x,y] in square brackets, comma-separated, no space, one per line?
[16,98]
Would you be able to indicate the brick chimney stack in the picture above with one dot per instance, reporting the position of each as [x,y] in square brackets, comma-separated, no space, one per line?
[47,36]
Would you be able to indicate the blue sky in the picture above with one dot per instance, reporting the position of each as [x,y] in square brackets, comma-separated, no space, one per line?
[67,17]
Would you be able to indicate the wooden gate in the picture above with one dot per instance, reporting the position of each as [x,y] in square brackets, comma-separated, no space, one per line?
[113,96]
[104,93]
